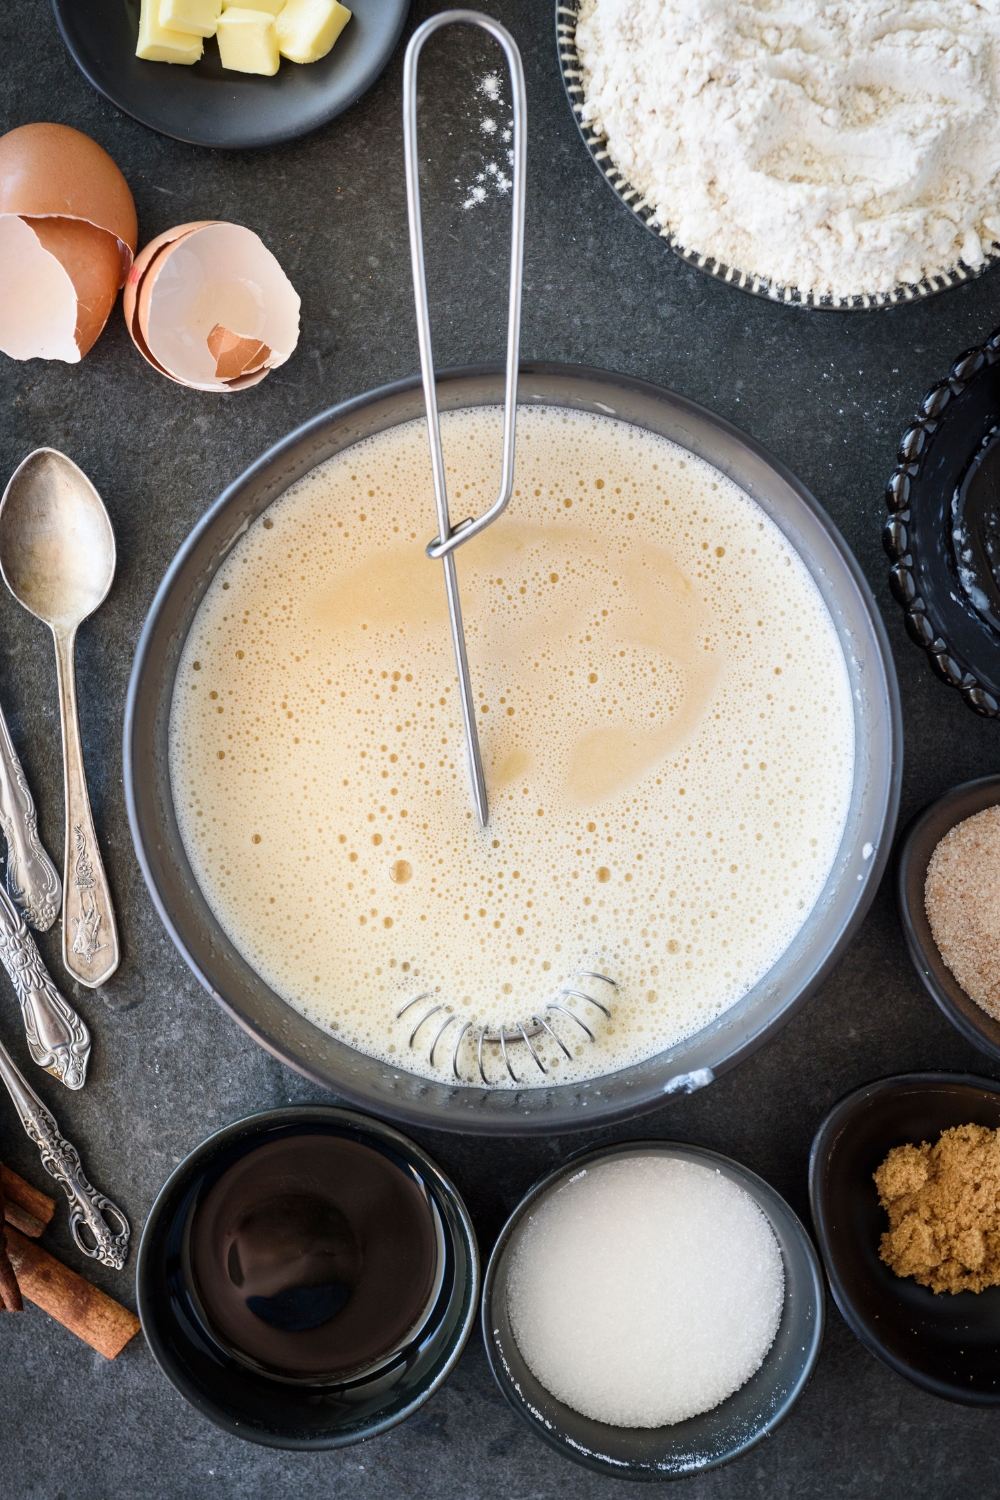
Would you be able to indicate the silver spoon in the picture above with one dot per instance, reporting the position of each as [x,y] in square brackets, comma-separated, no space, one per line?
[57,556]
[98,1226]
[57,1039]
[32,882]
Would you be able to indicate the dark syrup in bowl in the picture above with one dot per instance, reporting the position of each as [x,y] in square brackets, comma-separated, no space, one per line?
[315,1258]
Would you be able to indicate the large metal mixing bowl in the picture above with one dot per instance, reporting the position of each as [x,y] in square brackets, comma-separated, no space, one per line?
[391,1091]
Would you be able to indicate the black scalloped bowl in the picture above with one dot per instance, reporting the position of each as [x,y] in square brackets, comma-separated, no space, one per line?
[948,1345]
[567,13]
[916,847]
[934,452]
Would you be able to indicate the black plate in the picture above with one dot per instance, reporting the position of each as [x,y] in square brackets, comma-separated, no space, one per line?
[205,105]
[935,453]
[947,1344]
[916,847]
[250,1404]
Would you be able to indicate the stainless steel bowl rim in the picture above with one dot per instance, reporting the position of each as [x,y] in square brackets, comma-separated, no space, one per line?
[393,1092]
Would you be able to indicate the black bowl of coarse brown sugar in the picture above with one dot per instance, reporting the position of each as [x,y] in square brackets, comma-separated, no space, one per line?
[945,1343]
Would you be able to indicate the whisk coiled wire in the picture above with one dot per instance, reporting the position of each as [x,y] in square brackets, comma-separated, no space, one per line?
[505,1034]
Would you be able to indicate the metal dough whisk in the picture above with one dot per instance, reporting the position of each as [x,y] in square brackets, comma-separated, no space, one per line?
[505,1036]
[449,538]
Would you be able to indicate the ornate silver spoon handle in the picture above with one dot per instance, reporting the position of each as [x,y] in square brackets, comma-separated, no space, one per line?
[32,882]
[98,1226]
[90,935]
[58,1040]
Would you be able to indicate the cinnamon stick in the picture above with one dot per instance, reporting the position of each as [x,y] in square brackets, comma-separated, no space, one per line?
[10,1292]
[25,1207]
[81,1307]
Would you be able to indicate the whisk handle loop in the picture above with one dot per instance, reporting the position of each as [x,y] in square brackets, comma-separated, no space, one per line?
[448,538]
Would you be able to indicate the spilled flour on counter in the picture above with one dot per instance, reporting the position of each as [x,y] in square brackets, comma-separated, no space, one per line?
[839,147]
[497,129]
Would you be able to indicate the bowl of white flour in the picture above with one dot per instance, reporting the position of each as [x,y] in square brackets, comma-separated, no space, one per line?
[832,156]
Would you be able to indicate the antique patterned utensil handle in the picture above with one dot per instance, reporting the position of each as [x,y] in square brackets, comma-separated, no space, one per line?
[98,1226]
[58,1040]
[32,882]
[90,935]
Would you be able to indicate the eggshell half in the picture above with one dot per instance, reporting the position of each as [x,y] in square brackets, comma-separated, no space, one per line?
[209,306]
[136,276]
[52,170]
[68,233]
[38,307]
[90,259]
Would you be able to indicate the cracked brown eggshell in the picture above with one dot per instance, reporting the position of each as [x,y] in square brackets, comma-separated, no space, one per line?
[208,305]
[68,232]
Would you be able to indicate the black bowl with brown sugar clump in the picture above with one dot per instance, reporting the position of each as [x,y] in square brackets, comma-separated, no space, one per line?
[913,856]
[946,1343]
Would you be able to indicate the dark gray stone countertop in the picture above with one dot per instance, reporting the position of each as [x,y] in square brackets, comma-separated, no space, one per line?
[829,394]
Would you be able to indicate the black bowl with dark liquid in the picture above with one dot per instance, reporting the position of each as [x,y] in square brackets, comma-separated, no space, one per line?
[307,1277]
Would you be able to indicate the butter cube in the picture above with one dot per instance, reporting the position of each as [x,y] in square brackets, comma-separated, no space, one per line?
[271,6]
[196,17]
[307,29]
[159,44]
[247,42]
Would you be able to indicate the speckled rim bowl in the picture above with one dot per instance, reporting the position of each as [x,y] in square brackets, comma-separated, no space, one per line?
[946,1344]
[702,1442]
[247,1403]
[405,1096]
[917,845]
[567,14]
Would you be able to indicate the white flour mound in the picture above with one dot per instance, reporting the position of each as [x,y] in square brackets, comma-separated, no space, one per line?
[843,147]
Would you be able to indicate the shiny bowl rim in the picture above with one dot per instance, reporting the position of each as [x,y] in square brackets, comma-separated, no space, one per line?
[431,1104]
